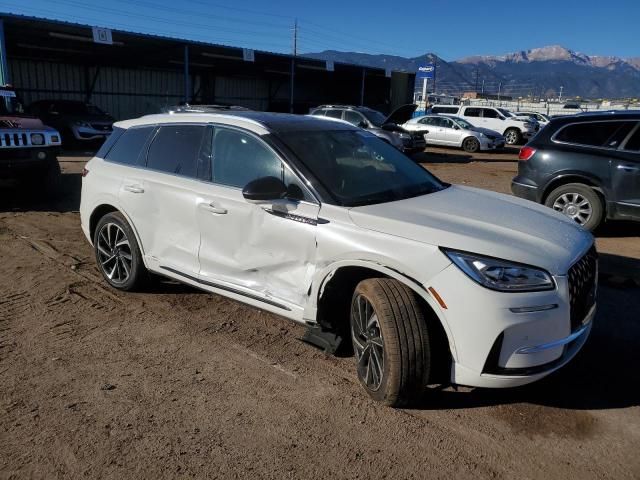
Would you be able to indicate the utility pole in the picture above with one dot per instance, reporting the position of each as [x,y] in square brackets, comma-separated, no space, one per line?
[560,97]
[435,72]
[293,62]
[483,86]
[477,73]
[499,88]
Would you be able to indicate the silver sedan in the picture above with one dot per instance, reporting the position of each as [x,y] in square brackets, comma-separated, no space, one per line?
[451,131]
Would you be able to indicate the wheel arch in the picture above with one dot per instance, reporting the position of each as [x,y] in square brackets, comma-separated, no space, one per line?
[332,297]
[567,178]
[105,208]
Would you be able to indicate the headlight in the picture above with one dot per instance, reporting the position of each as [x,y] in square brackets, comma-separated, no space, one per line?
[37,139]
[501,275]
[404,136]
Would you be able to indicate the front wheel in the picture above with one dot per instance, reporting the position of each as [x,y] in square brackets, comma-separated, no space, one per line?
[471,145]
[117,253]
[512,136]
[578,202]
[391,341]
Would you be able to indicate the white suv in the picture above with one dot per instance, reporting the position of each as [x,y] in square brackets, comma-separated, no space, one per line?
[325,224]
[514,130]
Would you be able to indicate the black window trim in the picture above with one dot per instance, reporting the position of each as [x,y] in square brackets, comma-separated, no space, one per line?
[285,164]
[308,185]
[609,120]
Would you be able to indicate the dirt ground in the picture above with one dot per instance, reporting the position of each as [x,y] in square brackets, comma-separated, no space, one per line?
[176,383]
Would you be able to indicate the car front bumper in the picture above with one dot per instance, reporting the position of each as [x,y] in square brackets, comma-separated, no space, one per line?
[22,160]
[515,338]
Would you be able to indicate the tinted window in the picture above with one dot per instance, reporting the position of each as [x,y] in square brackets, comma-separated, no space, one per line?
[634,142]
[595,134]
[489,113]
[334,113]
[295,187]
[472,112]
[444,109]
[175,149]
[239,158]
[129,146]
[426,121]
[358,168]
[446,123]
[353,117]
[109,142]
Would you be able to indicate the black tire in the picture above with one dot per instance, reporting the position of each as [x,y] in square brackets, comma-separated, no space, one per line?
[52,178]
[125,260]
[470,145]
[401,329]
[575,194]
[512,136]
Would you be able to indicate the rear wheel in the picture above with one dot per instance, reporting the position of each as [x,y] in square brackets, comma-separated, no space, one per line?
[117,253]
[512,136]
[470,145]
[579,202]
[391,341]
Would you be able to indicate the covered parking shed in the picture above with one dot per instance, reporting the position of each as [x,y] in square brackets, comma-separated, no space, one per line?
[130,74]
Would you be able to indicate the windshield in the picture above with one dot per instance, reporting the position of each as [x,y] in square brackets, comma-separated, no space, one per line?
[358,168]
[374,116]
[506,113]
[463,123]
[78,108]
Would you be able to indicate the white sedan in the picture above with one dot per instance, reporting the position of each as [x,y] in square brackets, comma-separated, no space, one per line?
[450,131]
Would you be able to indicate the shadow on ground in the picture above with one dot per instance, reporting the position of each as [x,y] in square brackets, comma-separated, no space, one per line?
[456,155]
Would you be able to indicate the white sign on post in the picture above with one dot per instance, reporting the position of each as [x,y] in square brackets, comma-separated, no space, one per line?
[330,66]
[102,35]
[248,55]
[387,72]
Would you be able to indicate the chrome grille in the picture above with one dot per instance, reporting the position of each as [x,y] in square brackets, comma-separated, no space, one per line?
[582,287]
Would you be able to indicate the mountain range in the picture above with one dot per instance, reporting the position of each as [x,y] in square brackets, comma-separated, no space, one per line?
[536,72]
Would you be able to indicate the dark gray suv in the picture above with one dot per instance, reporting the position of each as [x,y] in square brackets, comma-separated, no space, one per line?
[586,166]
[385,127]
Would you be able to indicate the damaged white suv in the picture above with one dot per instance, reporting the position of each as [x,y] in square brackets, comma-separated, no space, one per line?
[324,223]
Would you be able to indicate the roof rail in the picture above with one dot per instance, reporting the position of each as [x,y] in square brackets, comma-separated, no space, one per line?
[206,108]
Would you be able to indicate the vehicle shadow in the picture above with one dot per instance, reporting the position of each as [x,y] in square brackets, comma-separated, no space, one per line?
[617,229]
[604,375]
[455,155]
[24,195]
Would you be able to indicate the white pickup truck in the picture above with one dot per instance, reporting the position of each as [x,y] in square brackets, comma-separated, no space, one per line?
[514,130]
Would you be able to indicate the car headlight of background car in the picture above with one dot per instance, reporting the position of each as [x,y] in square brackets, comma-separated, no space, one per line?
[500,275]
[37,139]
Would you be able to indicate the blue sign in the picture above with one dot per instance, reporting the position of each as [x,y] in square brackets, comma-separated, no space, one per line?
[426,71]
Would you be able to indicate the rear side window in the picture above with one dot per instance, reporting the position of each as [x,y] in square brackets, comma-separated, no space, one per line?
[595,134]
[176,149]
[129,146]
[354,118]
[444,109]
[109,142]
[472,112]
[633,144]
[489,113]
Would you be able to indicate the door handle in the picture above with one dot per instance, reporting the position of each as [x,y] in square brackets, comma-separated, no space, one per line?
[134,188]
[213,208]
[626,168]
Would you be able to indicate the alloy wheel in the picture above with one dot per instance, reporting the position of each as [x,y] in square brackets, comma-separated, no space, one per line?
[368,343]
[511,137]
[574,206]
[114,253]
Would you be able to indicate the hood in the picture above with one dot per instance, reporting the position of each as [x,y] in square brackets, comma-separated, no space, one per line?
[482,222]
[16,121]
[401,114]
[487,131]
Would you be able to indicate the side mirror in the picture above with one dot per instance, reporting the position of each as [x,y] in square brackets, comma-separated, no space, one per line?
[264,189]
[363,124]
[456,127]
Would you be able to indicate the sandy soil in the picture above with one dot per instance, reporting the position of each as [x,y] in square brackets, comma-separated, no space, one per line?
[176,383]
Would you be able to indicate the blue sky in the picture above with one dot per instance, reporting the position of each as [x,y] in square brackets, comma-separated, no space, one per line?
[450,29]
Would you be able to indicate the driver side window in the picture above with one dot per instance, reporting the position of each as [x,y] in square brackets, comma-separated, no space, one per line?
[238,158]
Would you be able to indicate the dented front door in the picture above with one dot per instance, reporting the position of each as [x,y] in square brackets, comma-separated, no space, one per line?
[267,248]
